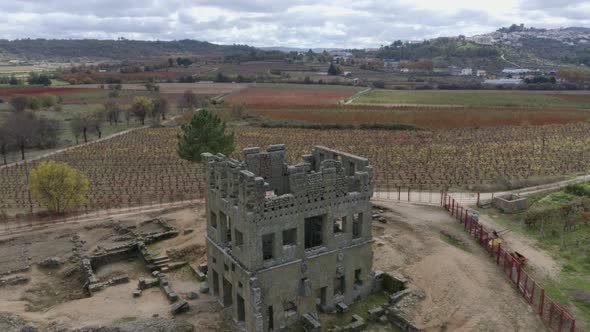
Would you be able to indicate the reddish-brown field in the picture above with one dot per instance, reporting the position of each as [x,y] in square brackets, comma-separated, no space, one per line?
[287,97]
[102,77]
[428,118]
[33,91]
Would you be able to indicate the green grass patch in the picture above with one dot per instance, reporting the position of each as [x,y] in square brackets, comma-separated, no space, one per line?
[452,240]
[56,82]
[125,319]
[558,198]
[186,273]
[359,308]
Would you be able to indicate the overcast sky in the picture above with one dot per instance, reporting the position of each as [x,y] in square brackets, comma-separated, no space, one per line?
[296,23]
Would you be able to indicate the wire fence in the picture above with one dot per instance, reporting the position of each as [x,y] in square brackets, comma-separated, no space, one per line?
[511,264]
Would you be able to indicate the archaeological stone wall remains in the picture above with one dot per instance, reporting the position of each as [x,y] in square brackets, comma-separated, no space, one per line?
[286,241]
[510,203]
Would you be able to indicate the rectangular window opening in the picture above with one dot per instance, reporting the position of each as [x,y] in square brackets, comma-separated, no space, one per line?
[267,246]
[239,238]
[339,286]
[227,227]
[290,237]
[213,219]
[339,224]
[351,168]
[357,222]
[358,277]
[313,232]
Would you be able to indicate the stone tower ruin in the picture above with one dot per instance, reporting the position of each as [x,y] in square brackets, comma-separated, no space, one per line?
[286,241]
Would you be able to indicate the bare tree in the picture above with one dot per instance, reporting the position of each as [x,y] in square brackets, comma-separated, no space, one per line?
[22,130]
[5,141]
[160,106]
[96,118]
[190,100]
[113,111]
[78,127]
[141,108]
[47,133]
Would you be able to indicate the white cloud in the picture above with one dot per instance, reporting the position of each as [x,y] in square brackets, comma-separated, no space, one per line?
[302,23]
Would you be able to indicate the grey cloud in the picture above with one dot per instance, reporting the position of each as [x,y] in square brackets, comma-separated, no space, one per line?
[303,23]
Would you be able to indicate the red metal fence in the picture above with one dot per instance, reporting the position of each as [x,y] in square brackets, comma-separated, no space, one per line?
[551,312]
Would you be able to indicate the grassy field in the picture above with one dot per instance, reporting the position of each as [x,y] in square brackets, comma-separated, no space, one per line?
[476,98]
[572,285]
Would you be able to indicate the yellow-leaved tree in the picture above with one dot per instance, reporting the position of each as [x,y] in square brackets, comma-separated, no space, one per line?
[58,186]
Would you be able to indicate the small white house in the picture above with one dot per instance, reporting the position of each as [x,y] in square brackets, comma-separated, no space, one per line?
[480,73]
[466,72]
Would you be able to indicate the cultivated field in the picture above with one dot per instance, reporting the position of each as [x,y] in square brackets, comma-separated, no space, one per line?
[179,88]
[282,95]
[421,116]
[478,98]
[142,167]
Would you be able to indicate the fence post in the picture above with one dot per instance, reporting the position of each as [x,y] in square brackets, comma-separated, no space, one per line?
[399,193]
[573,327]
[441,199]
[478,199]
[505,262]
[551,309]
[498,255]
[480,234]
[560,321]
[518,274]
[542,303]
[408,194]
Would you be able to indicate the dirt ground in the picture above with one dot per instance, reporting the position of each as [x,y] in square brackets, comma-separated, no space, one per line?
[465,290]
[50,299]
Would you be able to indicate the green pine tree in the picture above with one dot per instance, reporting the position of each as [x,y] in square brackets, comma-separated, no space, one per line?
[205,133]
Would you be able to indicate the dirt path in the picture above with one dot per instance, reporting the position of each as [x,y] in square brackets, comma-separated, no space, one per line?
[465,291]
[350,99]
[538,260]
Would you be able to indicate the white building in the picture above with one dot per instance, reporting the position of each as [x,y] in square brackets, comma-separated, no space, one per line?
[466,72]
[480,73]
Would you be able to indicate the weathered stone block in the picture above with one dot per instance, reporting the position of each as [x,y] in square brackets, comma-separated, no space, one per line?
[375,313]
[204,288]
[341,307]
[179,307]
[50,262]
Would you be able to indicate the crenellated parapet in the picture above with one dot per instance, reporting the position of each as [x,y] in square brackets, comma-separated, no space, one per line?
[265,183]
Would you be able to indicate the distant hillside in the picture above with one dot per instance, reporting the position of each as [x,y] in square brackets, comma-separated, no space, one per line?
[446,51]
[298,49]
[527,47]
[570,46]
[35,49]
